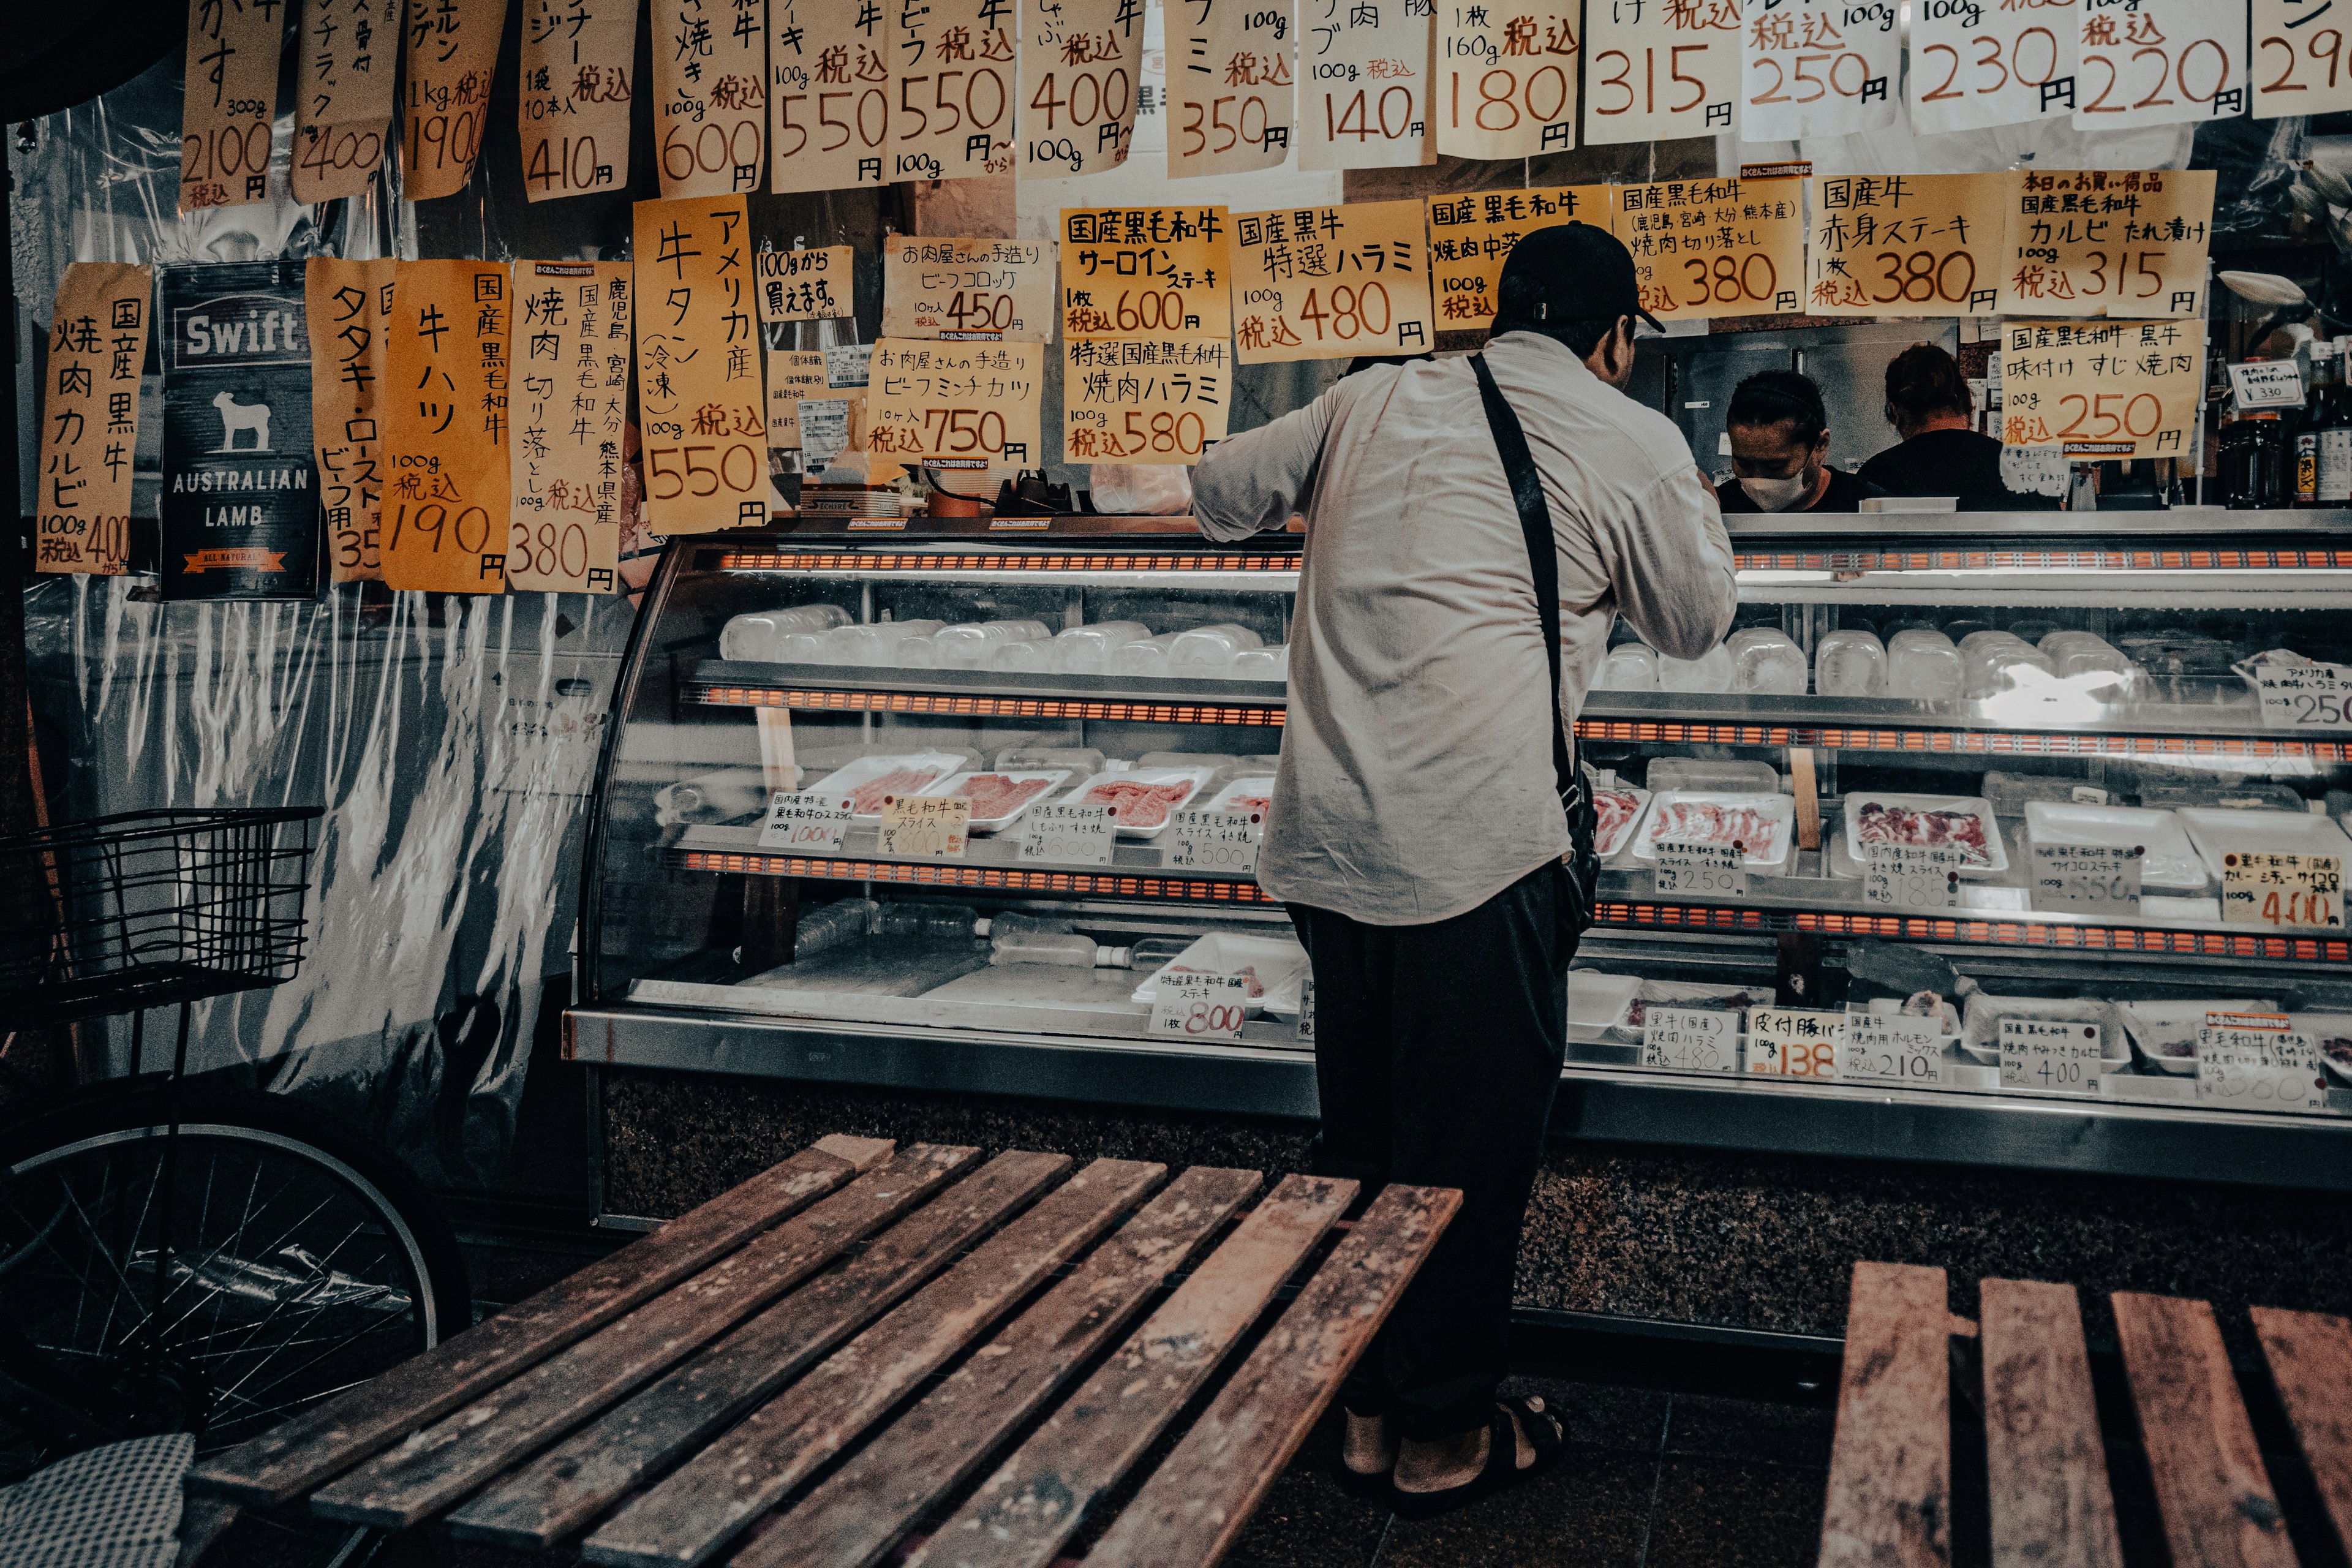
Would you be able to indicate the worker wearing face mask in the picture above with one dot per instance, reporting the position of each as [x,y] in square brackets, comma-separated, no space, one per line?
[1781,450]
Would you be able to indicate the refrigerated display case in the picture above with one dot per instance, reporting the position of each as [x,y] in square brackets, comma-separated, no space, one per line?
[1991,787]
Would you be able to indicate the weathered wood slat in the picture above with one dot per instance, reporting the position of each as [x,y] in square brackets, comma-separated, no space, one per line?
[2311,1362]
[2045,1461]
[1890,1491]
[689,1516]
[853,1518]
[298,1455]
[2216,1499]
[1189,1512]
[1037,1498]
[644,1435]
[436,1466]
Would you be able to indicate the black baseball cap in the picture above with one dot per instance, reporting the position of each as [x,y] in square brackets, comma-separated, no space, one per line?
[1566,272]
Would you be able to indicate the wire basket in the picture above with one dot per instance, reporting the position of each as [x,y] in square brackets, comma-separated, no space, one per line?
[151,908]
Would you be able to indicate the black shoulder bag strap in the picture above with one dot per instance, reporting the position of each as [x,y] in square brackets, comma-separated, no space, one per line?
[1535,523]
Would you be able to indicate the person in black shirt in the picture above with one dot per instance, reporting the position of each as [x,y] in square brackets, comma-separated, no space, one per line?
[1781,450]
[1928,404]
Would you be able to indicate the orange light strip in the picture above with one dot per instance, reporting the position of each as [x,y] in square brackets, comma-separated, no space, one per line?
[948,874]
[2044,560]
[976,705]
[1981,931]
[843,561]
[1958,742]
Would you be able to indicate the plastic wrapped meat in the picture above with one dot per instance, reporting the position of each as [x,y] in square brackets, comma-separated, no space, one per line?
[1138,804]
[1705,821]
[1614,811]
[1258,803]
[866,799]
[1883,824]
[992,795]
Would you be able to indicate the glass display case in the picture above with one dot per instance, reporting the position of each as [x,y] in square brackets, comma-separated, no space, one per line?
[1979,845]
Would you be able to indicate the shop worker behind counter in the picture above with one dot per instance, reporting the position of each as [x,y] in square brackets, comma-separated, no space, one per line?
[1942,454]
[1417,828]
[1781,449]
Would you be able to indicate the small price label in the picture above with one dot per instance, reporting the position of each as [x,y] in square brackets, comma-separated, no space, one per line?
[1891,1048]
[1690,1039]
[2303,696]
[2049,1055]
[1912,876]
[1070,835]
[1200,1006]
[1214,840]
[2097,878]
[1693,870]
[924,826]
[2251,1061]
[2267,384]
[799,820]
[2267,888]
[1306,1030]
[1794,1042]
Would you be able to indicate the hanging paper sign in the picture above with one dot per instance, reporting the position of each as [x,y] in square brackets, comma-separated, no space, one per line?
[2299,65]
[1470,237]
[1660,72]
[955,102]
[574,104]
[2106,243]
[1714,248]
[1137,272]
[1506,79]
[700,400]
[2159,62]
[956,405]
[710,103]
[794,375]
[1144,400]
[969,288]
[1081,61]
[444,428]
[1977,63]
[1364,74]
[453,45]
[1904,244]
[803,285]
[1331,282]
[342,95]
[2103,388]
[1819,68]
[829,92]
[1230,96]
[571,407]
[90,418]
[231,100]
[350,308]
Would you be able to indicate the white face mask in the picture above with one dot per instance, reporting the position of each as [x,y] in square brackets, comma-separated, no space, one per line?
[1776,495]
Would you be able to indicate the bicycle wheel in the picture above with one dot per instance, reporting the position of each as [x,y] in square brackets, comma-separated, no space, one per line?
[301,1262]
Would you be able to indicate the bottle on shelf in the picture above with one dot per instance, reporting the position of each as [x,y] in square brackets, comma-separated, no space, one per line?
[2318,409]
[2336,431]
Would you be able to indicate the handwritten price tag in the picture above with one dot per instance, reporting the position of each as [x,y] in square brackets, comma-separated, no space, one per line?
[1694,870]
[1794,1042]
[2303,696]
[2270,888]
[2049,1055]
[1891,1048]
[924,826]
[1912,876]
[1214,841]
[798,820]
[2267,384]
[2097,878]
[2251,1061]
[1306,1030]
[1690,1039]
[1070,835]
[1200,1006]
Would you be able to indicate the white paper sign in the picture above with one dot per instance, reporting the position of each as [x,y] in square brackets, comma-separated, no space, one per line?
[1980,63]
[2251,1061]
[2087,879]
[1912,876]
[1068,834]
[1223,841]
[1818,68]
[1305,1029]
[2049,1055]
[1364,71]
[848,364]
[824,430]
[1200,1006]
[2267,384]
[815,824]
[1658,71]
[2299,64]
[2035,470]
[1690,1039]
[1697,871]
[2303,696]
[1891,1048]
[2159,62]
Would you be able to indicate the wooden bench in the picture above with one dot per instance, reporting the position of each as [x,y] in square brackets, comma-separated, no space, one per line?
[2049,1503]
[667,1405]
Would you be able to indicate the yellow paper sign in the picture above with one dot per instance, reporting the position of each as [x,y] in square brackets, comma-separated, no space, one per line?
[954,62]
[90,418]
[1331,282]
[1506,79]
[1704,248]
[1144,400]
[699,393]
[571,397]
[1080,62]
[830,91]
[577,57]
[793,374]
[1470,237]
[2107,242]
[955,405]
[1364,75]
[1661,70]
[803,285]
[924,826]
[342,95]
[2102,388]
[445,428]
[231,99]
[2299,61]
[453,45]
[1229,86]
[711,99]
[967,289]
[1132,271]
[349,305]
[2283,891]
[1904,244]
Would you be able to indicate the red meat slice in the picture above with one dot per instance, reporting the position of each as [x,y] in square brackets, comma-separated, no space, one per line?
[994,796]
[866,799]
[1138,804]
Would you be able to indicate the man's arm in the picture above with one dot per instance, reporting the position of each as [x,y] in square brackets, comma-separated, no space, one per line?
[1673,577]
[1253,482]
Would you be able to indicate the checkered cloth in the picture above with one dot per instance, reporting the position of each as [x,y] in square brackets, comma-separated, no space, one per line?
[115,1507]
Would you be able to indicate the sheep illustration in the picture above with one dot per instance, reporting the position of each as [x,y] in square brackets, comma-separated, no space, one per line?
[236,417]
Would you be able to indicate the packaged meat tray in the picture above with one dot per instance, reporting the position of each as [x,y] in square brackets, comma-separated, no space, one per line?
[1597,999]
[2165,1031]
[1615,811]
[1685,994]
[2170,860]
[1276,967]
[1141,799]
[1963,822]
[1245,795]
[1765,824]
[2331,1033]
[999,798]
[2217,831]
[868,780]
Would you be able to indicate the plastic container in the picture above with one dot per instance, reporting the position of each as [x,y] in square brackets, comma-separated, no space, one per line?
[1086,650]
[2167,858]
[1263,663]
[1069,949]
[2002,667]
[1616,812]
[915,653]
[2217,833]
[1278,966]
[1740,775]
[1143,800]
[1630,666]
[869,779]
[1924,665]
[1850,663]
[1964,822]
[1084,761]
[999,798]
[1710,672]
[1763,824]
[874,646]
[753,637]
[832,925]
[802,648]
[1146,656]
[1990,637]
[1035,655]
[1209,650]
[1765,662]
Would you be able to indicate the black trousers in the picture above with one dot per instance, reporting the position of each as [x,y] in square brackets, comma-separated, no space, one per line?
[1437,1051]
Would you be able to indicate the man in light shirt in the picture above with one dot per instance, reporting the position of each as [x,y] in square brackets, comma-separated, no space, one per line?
[1417,829]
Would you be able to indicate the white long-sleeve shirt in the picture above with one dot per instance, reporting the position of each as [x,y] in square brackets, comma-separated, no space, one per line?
[1416,777]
